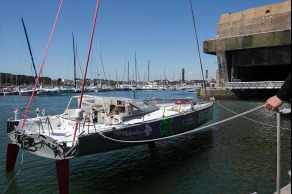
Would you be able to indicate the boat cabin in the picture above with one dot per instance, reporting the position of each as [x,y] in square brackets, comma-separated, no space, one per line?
[106,110]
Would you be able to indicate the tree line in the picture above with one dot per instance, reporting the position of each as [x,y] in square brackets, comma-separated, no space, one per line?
[8,79]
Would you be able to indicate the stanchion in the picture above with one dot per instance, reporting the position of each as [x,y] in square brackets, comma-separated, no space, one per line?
[278,153]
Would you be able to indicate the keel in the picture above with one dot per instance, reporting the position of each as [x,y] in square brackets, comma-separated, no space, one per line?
[11,156]
[62,167]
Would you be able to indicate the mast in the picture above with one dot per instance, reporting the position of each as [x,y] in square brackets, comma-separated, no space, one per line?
[42,64]
[128,73]
[136,70]
[74,55]
[109,78]
[99,66]
[31,56]
[198,47]
[117,82]
[148,78]
[124,74]
[87,61]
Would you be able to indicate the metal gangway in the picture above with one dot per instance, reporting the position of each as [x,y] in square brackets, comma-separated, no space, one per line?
[253,85]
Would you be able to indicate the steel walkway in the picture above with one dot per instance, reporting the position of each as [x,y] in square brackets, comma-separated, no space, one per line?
[253,85]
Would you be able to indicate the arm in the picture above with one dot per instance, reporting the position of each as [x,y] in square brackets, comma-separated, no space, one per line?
[284,94]
[273,103]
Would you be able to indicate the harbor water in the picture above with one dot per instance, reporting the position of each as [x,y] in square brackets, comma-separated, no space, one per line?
[235,157]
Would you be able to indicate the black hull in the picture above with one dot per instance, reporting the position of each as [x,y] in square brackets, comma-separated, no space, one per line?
[96,143]
[128,136]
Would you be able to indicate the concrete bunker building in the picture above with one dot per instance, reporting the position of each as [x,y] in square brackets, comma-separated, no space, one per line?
[253,45]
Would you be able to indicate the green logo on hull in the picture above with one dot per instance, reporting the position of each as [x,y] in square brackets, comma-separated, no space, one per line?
[165,127]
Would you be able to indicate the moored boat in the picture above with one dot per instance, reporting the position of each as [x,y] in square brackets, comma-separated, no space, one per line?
[50,92]
[94,124]
[25,91]
[104,124]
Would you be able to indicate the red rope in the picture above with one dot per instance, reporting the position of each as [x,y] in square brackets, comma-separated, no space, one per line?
[87,62]
[42,65]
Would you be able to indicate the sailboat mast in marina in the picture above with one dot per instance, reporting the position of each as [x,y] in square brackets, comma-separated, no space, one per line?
[74,61]
[94,124]
[29,47]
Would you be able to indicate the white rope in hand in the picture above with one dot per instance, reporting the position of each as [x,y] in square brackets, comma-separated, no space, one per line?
[273,126]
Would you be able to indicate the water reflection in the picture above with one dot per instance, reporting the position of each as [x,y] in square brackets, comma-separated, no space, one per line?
[235,157]
[122,170]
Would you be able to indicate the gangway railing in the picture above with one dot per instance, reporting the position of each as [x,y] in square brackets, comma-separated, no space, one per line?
[254,85]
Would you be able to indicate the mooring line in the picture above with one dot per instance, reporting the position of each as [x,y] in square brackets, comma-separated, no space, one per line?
[273,126]
[22,156]
[188,132]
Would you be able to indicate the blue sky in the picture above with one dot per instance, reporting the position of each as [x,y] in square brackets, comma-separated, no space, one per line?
[157,30]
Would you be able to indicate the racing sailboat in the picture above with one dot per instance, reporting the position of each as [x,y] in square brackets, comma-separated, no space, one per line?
[94,124]
[104,124]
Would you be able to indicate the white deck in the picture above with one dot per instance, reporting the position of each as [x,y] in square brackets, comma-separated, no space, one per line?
[62,129]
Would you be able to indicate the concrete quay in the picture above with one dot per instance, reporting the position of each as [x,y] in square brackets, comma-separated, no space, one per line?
[233,94]
[217,93]
[253,45]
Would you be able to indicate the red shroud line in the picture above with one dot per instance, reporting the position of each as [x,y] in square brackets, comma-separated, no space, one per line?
[87,62]
[43,62]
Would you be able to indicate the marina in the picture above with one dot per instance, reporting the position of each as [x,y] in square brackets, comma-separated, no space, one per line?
[236,156]
[103,124]
[161,136]
[64,90]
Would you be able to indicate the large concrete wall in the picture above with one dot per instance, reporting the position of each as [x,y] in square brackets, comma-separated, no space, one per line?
[255,44]
[263,19]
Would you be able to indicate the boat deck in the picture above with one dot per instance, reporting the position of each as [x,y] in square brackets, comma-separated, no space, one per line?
[62,130]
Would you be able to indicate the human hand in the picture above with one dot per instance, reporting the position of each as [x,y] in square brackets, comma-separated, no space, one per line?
[273,103]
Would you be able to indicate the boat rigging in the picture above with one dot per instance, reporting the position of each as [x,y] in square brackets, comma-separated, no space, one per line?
[92,124]
[30,52]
